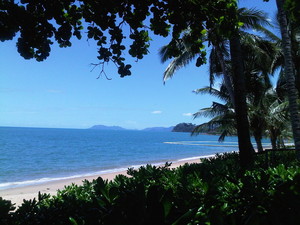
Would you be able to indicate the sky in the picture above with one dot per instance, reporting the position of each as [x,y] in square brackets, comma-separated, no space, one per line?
[64,92]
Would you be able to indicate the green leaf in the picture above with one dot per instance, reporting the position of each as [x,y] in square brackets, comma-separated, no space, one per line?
[185,217]
[102,188]
[204,31]
[73,221]
[167,202]
[240,24]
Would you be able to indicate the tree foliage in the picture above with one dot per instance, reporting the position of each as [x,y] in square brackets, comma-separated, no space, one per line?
[290,74]
[38,24]
[293,8]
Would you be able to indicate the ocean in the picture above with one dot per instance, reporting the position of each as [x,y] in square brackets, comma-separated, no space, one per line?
[36,155]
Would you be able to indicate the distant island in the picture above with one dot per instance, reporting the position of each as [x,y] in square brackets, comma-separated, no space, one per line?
[181,127]
[102,127]
[157,129]
[184,127]
[204,129]
[160,129]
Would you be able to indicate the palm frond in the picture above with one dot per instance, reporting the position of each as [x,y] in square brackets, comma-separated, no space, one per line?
[221,94]
[211,125]
[201,128]
[223,124]
[262,54]
[164,53]
[177,63]
[268,34]
[214,66]
[253,17]
[217,109]
[208,90]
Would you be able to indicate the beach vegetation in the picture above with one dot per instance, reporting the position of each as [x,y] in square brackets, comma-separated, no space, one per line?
[267,113]
[226,60]
[290,74]
[211,192]
[262,56]
[6,207]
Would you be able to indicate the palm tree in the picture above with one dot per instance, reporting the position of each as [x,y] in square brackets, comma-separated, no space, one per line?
[290,75]
[219,56]
[267,118]
[223,115]
[261,58]
[277,123]
[237,81]
[295,40]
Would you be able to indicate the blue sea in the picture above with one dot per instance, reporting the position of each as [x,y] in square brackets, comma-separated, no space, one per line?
[36,155]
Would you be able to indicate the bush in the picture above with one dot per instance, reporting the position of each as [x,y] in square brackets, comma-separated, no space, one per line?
[6,209]
[211,192]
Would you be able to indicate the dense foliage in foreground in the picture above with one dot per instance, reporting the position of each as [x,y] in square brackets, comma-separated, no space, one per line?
[213,192]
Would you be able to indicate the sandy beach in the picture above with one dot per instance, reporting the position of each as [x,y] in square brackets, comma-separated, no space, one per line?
[16,195]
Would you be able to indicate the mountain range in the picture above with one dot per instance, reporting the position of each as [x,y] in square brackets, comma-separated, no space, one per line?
[157,129]
[103,127]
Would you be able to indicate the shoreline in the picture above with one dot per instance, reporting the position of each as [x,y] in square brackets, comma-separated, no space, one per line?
[17,194]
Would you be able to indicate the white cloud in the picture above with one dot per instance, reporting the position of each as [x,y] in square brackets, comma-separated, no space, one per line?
[187,114]
[157,112]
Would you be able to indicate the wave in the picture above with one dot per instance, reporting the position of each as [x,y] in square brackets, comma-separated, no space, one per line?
[16,184]
[213,143]
[8,185]
[194,158]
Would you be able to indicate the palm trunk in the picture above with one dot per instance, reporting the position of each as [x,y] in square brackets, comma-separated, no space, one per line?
[245,147]
[227,79]
[273,138]
[295,32]
[290,76]
[258,143]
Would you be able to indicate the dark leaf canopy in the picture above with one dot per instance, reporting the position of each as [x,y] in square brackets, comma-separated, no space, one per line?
[293,9]
[40,23]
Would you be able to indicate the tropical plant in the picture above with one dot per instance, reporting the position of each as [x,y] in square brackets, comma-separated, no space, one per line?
[233,75]
[211,192]
[295,41]
[223,115]
[267,114]
[261,58]
[270,119]
[293,8]
[6,209]
[289,73]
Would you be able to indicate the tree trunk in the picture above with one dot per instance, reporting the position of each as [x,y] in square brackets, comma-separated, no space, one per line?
[290,75]
[273,138]
[227,78]
[245,147]
[258,143]
[295,33]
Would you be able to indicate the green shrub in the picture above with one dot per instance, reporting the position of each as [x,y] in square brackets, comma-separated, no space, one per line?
[211,192]
[6,209]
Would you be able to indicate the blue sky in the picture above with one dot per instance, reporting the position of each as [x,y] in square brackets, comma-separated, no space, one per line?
[62,92]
